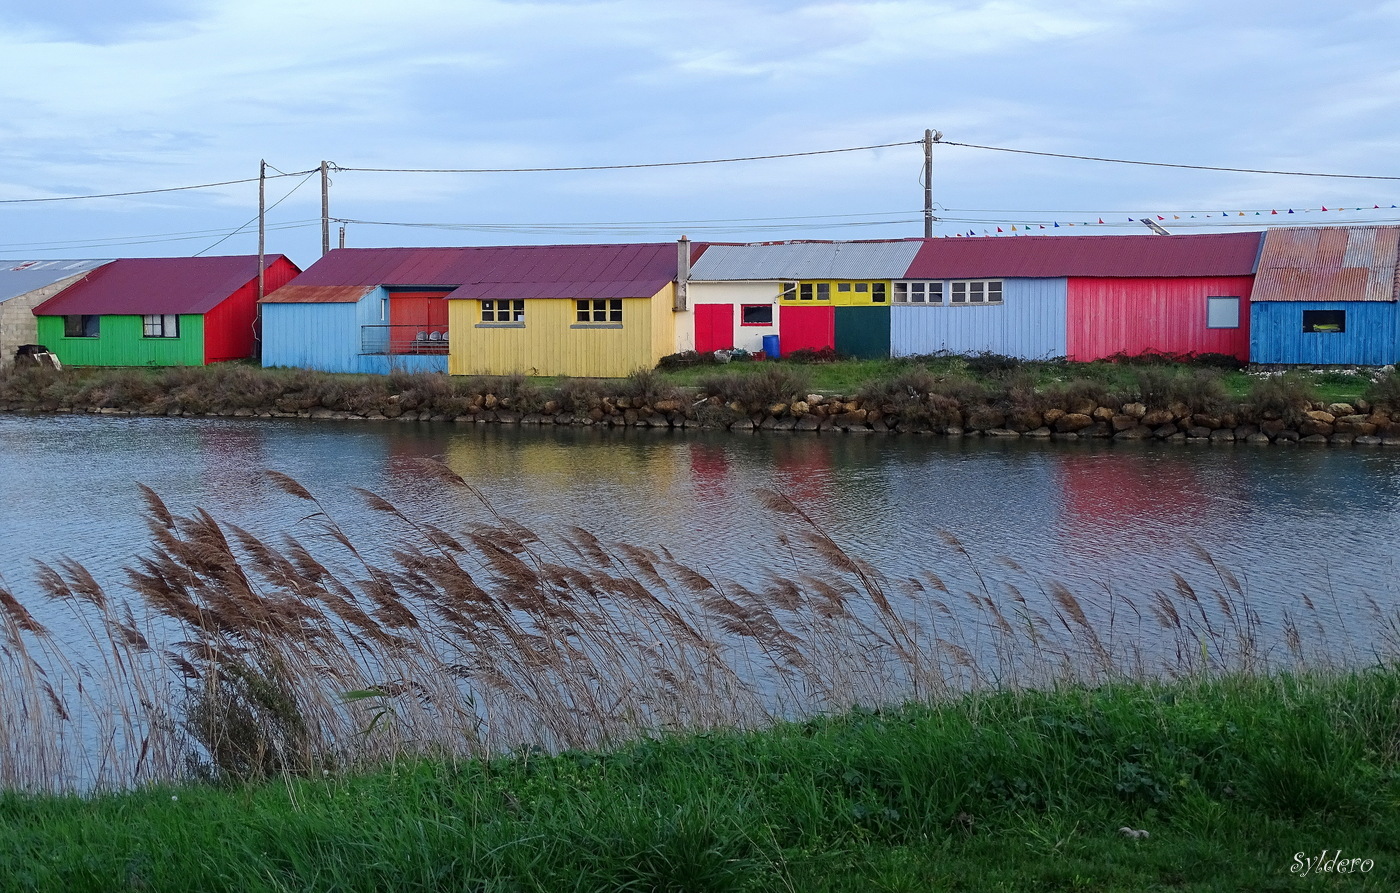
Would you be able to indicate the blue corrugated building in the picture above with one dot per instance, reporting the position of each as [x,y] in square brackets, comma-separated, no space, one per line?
[1327,296]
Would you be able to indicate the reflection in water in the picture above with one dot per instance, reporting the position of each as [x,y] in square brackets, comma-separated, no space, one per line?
[1289,522]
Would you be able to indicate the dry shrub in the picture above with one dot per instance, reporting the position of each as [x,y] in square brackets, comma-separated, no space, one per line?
[758,390]
[647,386]
[1288,396]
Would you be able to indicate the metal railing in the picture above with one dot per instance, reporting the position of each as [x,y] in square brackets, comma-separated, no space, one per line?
[399,340]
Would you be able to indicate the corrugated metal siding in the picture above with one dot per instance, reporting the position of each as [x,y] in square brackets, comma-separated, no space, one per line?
[548,344]
[806,328]
[314,336]
[317,294]
[1029,323]
[1372,336]
[1051,257]
[1134,316]
[807,260]
[1329,264]
[863,332]
[230,327]
[121,343]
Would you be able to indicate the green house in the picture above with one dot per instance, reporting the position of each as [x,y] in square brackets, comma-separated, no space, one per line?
[160,311]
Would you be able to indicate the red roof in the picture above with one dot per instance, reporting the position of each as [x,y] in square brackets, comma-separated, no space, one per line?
[1213,254]
[517,271]
[145,285]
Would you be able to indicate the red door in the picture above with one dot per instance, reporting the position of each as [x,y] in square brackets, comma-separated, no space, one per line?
[418,322]
[806,328]
[714,327]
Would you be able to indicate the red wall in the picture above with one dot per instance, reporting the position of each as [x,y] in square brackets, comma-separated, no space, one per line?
[806,328]
[714,327]
[228,328]
[1133,316]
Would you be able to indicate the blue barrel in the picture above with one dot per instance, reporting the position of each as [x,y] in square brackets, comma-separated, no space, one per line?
[770,347]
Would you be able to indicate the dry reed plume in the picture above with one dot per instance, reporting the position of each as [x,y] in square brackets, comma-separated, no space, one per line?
[240,657]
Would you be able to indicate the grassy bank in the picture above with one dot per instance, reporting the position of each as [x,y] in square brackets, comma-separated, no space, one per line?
[1229,777]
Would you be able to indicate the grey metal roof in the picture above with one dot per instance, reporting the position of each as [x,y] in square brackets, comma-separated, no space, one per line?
[807,260]
[19,277]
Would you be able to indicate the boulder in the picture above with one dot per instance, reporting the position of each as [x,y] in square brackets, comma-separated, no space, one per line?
[1158,417]
[1137,432]
[1136,410]
[1123,422]
[1341,409]
[1072,422]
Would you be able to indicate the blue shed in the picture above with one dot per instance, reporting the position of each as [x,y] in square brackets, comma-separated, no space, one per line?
[1327,296]
[351,329]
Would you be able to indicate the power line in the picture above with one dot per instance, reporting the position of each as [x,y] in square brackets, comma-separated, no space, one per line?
[260,214]
[1194,167]
[615,167]
[70,198]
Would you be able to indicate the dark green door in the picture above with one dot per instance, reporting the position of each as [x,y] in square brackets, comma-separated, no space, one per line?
[863,331]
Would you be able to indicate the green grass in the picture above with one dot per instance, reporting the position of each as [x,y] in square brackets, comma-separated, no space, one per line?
[1012,791]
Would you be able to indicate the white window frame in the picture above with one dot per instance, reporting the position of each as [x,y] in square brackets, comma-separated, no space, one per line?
[160,325]
[974,292]
[919,292]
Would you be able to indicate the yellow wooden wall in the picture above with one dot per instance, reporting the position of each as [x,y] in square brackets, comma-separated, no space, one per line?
[848,298]
[548,344]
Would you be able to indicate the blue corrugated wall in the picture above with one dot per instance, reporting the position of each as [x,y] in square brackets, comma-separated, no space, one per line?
[1029,323]
[327,337]
[1276,334]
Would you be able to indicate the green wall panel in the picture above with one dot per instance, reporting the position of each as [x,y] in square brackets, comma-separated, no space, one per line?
[120,343]
[863,331]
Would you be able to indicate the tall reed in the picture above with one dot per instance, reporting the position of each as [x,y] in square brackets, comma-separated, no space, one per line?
[231,654]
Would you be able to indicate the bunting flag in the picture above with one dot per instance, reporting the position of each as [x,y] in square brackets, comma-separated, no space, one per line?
[1324,207]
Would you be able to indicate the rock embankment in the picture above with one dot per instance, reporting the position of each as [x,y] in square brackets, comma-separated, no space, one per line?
[1334,423]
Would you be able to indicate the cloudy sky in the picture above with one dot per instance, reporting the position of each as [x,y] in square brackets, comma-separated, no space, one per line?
[106,98]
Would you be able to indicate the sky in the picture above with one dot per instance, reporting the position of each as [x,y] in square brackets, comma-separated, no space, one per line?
[106,98]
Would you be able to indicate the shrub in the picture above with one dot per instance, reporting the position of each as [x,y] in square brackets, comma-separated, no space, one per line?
[1287,396]
[809,355]
[758,390]
[986,363]
[908,387]
[1384,392]
[579,395]
[1201,390]
[686,359]
[646,386]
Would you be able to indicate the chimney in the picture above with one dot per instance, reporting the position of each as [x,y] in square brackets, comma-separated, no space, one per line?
[682,273]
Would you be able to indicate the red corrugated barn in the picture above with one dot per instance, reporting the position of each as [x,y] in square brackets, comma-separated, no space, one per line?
[1180,294]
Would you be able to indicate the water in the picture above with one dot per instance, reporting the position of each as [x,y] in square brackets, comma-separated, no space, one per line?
[1290,522]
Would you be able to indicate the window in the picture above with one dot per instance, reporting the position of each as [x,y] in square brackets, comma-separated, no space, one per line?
[846,286]
[756,315]
[81,326]
[1324,321]
[877,292]
[160,325]
[1222,313]
[918,293]
[975,291]
[789,291]
[602,311]
[512,311]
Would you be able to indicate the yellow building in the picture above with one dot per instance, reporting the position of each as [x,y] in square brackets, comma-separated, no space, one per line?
[598,311]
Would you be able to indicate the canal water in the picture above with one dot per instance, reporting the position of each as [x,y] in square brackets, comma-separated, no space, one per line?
[1300,527]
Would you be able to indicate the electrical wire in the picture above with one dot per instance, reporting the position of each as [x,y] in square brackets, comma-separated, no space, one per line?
[617,167]
[70,198]
[1194,167]
[261,214]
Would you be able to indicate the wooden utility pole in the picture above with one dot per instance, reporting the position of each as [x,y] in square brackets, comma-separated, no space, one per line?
[262,229]
[930,137]
[325,208]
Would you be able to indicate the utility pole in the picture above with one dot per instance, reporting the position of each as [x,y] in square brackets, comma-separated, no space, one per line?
[262,229]
[930,137]
[325,208]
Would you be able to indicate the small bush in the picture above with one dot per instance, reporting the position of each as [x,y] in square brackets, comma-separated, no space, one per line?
[986,363]
[579,395]
[907,388]
[686,359]
[1287,396]
[1201,390]
[809,355]
[757,390]
[1384,392]
[646,386]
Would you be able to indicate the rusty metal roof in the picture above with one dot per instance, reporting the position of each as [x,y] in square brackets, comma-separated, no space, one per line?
[1211,254]
[318,294]
[514,271]
[1352,263]
[19,277]
[144,285]
[882,259]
